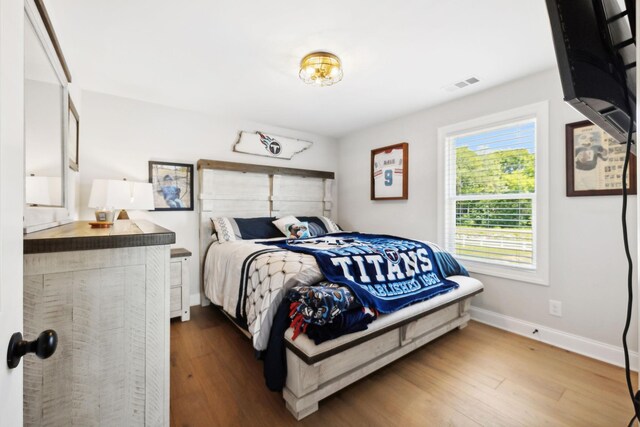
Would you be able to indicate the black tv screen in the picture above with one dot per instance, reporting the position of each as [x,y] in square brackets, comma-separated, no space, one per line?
[594,42]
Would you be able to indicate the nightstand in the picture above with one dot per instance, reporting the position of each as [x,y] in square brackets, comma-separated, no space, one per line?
[179,293]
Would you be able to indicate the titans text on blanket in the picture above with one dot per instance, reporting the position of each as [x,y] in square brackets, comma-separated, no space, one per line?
[394,268]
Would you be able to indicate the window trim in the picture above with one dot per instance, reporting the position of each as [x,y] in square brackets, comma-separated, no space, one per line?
[539,111]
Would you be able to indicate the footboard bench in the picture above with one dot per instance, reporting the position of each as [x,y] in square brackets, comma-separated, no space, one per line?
[317,371]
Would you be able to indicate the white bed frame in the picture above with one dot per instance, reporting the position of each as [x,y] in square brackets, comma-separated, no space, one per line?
[246,190]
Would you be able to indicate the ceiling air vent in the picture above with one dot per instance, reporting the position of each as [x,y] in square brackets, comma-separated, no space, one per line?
[461,84]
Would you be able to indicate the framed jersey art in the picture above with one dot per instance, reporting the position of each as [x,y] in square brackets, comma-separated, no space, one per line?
[390,172]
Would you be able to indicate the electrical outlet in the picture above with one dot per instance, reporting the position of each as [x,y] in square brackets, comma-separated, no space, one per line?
[555,308]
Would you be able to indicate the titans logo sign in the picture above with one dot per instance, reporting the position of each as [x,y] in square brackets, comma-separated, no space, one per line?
[270,144]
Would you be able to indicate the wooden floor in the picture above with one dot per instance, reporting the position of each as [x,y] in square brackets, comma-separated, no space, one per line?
[477,376]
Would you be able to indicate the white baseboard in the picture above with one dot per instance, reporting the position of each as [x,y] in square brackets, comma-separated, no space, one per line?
[194,299]
[575,343]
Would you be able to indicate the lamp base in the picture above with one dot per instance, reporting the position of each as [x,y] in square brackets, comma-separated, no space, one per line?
[123,214]
[104,215]
[100,224]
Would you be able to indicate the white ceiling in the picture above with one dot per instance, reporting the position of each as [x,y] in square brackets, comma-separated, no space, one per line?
[240,58]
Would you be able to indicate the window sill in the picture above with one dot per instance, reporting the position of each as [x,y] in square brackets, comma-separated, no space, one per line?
[521,275]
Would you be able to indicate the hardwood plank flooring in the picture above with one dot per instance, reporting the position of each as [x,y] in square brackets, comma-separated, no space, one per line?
[479,376]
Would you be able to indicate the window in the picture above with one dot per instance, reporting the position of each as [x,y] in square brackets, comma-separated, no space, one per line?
[494,193]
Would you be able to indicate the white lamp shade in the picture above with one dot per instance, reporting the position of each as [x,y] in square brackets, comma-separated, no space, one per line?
[110,193]
[120,194]
[142,196]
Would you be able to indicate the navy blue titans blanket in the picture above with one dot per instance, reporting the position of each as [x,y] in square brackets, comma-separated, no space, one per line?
[386,273]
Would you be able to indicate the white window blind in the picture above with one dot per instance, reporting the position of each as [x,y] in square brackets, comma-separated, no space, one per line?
[490,194]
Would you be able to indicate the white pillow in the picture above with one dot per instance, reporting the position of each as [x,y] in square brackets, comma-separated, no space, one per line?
[224,229]
[281,223]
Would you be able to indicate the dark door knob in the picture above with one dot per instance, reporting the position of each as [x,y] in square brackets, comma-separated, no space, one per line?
[43,347]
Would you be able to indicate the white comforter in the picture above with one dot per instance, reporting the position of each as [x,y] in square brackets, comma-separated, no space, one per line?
[262,274]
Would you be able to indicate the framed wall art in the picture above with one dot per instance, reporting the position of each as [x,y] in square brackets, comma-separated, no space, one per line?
[390,172]
[595,162]
[73,137]
[172,186]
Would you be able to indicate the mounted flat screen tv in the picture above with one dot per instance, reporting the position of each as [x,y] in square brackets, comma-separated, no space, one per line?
[595,47]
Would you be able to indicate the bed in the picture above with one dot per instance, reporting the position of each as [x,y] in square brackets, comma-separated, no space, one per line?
[248,279]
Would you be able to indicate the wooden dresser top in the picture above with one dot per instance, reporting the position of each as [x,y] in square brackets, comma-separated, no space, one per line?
[79,236]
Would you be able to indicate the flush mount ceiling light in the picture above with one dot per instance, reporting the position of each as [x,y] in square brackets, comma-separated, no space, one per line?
[320,69]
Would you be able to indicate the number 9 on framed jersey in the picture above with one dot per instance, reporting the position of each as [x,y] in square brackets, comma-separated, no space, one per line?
[390,172]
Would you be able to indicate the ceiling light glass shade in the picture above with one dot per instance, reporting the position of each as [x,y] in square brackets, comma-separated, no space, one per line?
[320,69]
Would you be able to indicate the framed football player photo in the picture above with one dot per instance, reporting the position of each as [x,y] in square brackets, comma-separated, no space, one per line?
[172,186]
[595,162]
[390,172]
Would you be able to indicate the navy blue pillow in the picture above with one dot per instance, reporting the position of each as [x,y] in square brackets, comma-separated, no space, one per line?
[257,228]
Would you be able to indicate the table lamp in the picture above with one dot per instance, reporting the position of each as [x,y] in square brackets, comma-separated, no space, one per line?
[107,195]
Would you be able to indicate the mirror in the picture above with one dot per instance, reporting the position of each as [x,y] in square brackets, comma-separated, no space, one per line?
[43,99]
[46,124]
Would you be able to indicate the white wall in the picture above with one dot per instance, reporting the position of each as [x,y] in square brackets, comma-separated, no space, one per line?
[118,137]
[587,265]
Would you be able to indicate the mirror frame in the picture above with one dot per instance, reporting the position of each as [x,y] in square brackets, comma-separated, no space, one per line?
[36,217]
[73,147]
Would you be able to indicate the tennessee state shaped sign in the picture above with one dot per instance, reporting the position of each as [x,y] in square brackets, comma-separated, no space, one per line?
[261,144]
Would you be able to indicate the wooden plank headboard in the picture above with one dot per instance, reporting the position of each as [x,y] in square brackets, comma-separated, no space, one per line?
[243,190]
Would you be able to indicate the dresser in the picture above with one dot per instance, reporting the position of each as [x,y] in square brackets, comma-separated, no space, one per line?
[106,294]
